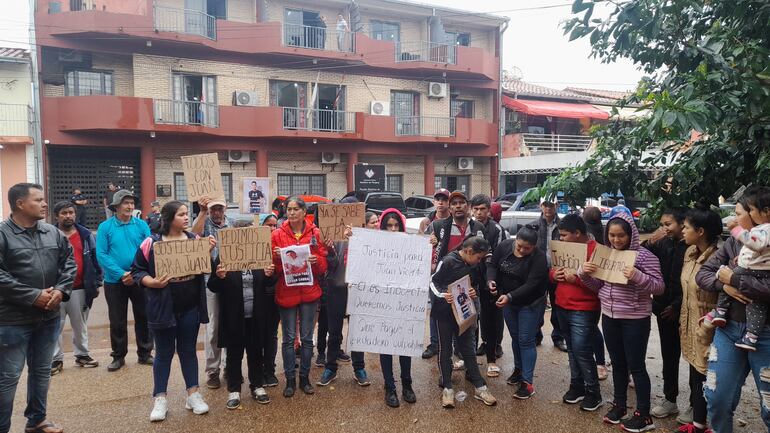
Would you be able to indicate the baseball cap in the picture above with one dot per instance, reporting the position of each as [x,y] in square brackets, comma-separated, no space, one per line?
[441,192]
[457,194]
[217,202]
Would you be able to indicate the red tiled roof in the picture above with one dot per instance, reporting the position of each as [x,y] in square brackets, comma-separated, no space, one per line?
[599,93]
[14,53]
[522,88]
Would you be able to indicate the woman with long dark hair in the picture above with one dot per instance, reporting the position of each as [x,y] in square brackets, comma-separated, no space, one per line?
[176,307]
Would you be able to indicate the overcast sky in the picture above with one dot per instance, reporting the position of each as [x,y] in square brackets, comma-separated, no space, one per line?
[534,43]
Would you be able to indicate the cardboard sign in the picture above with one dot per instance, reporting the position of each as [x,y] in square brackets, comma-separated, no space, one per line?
[568,255]
[463,307]
[202,176]
[332,219]
[245,248]
[297,270]
[389,275]
[182,258]
[611,263]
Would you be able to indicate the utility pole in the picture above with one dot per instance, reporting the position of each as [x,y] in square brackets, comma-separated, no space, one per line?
[35,85]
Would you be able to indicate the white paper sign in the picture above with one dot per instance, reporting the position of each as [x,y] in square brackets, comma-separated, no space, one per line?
[389,274]
[296,267]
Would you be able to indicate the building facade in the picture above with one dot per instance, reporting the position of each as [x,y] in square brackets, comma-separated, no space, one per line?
[293,90]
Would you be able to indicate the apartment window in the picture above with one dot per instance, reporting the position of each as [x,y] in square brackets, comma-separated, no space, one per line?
[180,187]
[454,183]
[83,83]
[462,108]
[394,183]
[460,38]
[385,31]
[302,184]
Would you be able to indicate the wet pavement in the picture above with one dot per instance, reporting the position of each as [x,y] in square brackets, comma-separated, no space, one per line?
[94,400]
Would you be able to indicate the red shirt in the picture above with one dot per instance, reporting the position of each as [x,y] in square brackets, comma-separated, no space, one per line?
[77,247]
[456,237]
[576,296]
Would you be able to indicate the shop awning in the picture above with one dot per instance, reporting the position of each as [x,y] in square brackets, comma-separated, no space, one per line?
[555,109]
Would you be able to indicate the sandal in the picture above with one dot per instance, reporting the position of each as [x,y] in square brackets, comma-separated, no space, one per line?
[44,427]
[493,371]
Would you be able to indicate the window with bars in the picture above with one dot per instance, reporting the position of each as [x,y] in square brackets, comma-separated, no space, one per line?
[394,183]
[385,31]
[180,187]
[84,83]
[301,184]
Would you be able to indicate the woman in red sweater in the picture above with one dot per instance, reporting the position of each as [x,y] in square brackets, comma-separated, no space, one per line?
[297,300]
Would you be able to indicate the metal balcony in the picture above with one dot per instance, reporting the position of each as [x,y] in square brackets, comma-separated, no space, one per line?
[318,38]
[425,126]
[15,120]
[171,112]
[543,143]
[187,21]
[313,119]
[423,51]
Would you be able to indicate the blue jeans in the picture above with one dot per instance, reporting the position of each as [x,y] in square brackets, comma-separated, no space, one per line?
[579,329]
[627,343]
[386,363]
[728,368]
[523,324]
[181,339]
[307,316]
[33,344]
[599,348]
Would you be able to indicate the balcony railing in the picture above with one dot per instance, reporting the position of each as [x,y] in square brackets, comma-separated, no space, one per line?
[317,38]
[426,126]
[15,120]
[312,119]
[540,143]
[187,21]
[171,112]
[423,51]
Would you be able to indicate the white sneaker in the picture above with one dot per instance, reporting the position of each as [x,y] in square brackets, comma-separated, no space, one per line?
[196,404]
[458,365]
[159,410]
[448,398]
[685,417]
[664,409]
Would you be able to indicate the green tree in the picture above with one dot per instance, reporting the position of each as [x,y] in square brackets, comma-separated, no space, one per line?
[708,75]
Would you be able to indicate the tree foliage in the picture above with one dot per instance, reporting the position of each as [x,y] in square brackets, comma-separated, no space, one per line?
[708,77]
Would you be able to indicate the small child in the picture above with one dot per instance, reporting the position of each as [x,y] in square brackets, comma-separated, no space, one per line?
[753,259]
[451,268]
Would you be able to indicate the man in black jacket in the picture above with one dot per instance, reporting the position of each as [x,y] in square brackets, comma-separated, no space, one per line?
[548,230]
[85,287]
[36,274]
[447,236]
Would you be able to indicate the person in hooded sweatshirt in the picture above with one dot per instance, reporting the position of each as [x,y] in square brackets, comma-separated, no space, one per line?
[626,310]
[394,221]
[454,266]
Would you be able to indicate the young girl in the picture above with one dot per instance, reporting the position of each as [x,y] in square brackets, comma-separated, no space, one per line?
[626,310]
[754,259]
[175,309]
[452,267]
[242,325]
[394,221]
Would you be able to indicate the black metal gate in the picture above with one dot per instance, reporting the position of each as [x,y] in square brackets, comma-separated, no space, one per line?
[90,169]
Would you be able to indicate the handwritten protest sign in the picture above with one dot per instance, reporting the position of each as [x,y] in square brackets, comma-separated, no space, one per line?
[332,219]
[462,305]
[389,274]
[202,176]
[611,263]
[568,255]
[181,258]
[245,248]
[296,267]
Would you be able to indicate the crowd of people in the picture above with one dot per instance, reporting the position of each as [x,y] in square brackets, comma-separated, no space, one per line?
[709,302]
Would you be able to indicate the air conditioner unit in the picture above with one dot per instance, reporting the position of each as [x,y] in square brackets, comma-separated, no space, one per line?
[465,163]
[245,98]
[330,158]
[437,90]
[380,108]
[238,156]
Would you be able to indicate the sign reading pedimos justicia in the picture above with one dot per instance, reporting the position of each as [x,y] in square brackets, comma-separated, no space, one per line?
[370,178]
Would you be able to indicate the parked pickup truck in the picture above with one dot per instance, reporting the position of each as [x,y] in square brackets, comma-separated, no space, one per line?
[524,212]
[379,201]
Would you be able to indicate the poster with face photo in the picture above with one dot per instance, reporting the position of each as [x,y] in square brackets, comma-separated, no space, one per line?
[255,194]
[296,267]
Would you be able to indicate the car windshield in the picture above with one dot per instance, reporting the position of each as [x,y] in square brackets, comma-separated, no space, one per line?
[384,201]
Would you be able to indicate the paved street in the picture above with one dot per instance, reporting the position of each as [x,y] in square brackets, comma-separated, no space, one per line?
[87,401]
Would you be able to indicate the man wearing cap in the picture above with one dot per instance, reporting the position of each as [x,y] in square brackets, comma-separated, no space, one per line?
[209,222]
[441,201]
[117,240]
[448,235]
[153,218]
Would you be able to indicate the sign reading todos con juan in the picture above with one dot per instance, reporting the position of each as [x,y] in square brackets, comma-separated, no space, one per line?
[389,274]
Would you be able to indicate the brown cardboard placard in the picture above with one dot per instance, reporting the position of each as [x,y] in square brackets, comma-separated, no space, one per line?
[568,255]
[245,248]
[611,263]
[333,218]
[203,177]
[182,258]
